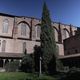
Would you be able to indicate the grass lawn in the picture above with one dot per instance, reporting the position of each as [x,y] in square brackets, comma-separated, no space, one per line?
[22,76]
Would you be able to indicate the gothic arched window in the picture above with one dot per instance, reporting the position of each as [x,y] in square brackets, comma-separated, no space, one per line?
[38,31]
[5,26]
[23,30]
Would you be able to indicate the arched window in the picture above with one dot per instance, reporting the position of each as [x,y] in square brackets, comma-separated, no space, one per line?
[3,45]
[5,26]
[24,46]
[65,34]
[23,30]
[56,35]
[38,31]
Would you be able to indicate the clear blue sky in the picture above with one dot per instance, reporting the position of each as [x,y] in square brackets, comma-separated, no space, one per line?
[64,11]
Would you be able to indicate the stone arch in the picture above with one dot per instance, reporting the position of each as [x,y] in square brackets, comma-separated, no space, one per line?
[24,31]
[66,33]
[12,60]
[25,23]
[56,33]
[6,61]
[38,24]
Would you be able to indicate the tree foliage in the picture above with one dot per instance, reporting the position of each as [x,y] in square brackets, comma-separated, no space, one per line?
[48,44]
[27,63]
[12,66]
[36,57]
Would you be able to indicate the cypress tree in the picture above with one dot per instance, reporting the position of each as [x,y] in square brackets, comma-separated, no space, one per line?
[48,44]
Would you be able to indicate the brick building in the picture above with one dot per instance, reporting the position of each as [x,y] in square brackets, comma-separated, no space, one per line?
[71,56]
[18,33]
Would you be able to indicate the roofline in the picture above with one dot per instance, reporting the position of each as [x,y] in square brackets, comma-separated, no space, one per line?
[69,56]
[5,14]
[11,15]
[65,24]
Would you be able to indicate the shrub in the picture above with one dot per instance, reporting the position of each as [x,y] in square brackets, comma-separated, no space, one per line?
[12,66]
[72,75]
[26,65]
[36,57]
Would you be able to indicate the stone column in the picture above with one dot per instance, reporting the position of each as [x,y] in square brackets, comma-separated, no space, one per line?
[20,62]
[3,70]
[4,63]
[9,60]
[71,32]
[33,30]
[59,34]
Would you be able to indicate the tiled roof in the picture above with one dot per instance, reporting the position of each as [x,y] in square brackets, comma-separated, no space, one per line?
[12,55]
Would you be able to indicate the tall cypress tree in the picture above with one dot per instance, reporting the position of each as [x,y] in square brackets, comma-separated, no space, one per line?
[48,44]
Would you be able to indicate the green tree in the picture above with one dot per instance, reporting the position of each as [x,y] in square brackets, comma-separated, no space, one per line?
[48,44]
[37,54]
[27,63]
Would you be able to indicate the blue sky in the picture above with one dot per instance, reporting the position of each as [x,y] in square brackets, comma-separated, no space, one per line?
[64,11]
